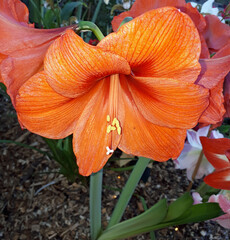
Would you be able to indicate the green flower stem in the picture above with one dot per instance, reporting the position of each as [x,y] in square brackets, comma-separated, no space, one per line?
[94,18]
[95,204]
[97,10]
[90,26]
[128,190]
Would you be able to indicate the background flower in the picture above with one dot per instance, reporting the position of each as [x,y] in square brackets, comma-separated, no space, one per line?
[22,47]
[191,153]
[217,151]
[224,203]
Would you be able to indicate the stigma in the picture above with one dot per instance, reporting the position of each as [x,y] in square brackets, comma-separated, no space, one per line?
[109,151]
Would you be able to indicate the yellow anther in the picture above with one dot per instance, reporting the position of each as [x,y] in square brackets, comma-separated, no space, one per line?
[113,128]
[117,124]
[114,122]
[119,131]
[108,129]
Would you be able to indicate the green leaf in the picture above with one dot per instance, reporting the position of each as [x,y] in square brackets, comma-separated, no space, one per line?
[224,128]
[63,153]
[50,18]
[24,145]
[137,225]
[67,10]
[95,203]
[128,190]
[196,213]
[178,207]
[127,19]
[3,87]
[116,7]
[200,212]
[35,12]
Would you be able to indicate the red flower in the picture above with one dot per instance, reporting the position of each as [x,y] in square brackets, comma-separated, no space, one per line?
[22,47]
[217,151]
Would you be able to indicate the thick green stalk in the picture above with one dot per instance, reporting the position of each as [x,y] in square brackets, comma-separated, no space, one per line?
[94,18]
[90,26]
[128,190]
[95,204]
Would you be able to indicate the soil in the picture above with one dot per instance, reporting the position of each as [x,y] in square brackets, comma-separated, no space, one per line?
[37,202]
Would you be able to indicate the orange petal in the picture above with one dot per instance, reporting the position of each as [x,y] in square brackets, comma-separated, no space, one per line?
[142,138]
[139,7]
[215,149]
[160,43]
[217,34]
[75,66]
[220,179]
[168,102]
[91,141]
[215,111]
[41,110]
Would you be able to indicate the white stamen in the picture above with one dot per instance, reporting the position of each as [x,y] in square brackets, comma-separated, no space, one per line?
[109,151]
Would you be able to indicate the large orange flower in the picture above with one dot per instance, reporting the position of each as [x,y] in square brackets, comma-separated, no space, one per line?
[217,151]
[214,36]
[135,90]
[22,47]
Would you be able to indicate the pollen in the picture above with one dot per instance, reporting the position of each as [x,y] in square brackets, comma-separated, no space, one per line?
[108,129]
[114,121]
[119,131]
[114,126]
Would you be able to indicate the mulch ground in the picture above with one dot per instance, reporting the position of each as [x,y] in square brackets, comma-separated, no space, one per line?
[60,210]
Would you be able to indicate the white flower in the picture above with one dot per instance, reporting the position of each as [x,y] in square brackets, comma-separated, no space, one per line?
[106,2]
[207,8]
[126,4]
[191,152]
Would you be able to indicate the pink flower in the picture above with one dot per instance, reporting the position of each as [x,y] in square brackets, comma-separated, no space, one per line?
[224,203]
[196,198]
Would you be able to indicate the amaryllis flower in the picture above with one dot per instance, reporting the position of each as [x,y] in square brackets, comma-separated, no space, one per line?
[22,47]
[224,204]
[214,36]
[191,153]
[217,151]
[135,90]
